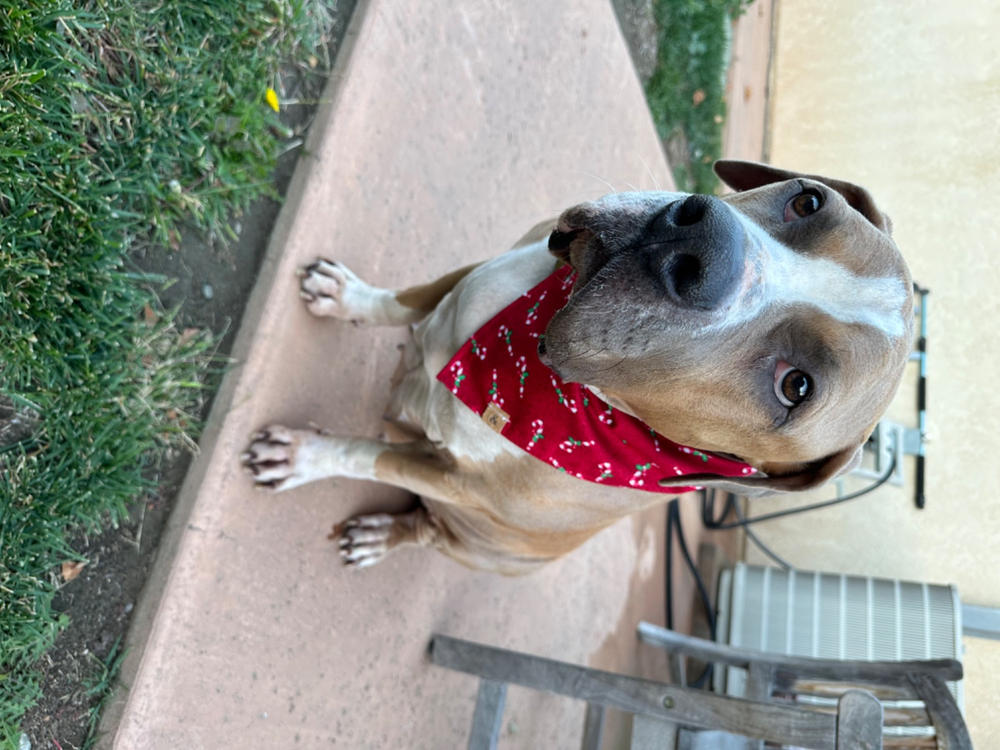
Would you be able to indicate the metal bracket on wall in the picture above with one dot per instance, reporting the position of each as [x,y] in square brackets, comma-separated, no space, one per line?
[888,444]
[981,622]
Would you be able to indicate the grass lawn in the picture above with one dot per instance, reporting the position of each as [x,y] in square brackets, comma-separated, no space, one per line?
[120,123]
[686,89]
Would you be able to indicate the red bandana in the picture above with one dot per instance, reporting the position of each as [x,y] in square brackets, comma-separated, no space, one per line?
[497,374]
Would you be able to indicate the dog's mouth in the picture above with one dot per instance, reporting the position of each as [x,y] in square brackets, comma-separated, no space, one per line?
[562,238]
[545,357]
[569,243]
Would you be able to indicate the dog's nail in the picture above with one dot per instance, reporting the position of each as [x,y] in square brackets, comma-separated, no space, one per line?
[317,429]
[306,296]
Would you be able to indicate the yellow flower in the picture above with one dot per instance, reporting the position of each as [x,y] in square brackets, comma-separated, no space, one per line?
[272,98]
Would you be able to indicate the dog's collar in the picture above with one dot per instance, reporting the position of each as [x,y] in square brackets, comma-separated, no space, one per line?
[497,374]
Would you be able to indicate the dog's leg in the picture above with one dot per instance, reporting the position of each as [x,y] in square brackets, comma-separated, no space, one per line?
[280,458]
[365,540]
[331,289]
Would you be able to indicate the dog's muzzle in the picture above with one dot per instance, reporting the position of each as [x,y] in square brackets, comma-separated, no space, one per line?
[695,246]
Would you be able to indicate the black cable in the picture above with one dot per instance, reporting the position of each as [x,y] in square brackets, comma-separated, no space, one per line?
[756,540]
[674,522]
[708,518]
[805,508]
[670,566]
[702,589]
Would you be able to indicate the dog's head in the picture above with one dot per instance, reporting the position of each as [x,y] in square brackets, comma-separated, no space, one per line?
[772,324]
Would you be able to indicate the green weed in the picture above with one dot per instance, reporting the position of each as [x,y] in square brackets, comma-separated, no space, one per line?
[686,90]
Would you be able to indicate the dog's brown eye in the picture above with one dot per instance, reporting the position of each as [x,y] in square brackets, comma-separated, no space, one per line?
[804,204]
[791,386]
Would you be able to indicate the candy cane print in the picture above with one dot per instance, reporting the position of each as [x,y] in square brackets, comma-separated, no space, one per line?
[693,452]
[503,332]
[478,349]
[637,478]
[569,403]
[555,462]
[522,370]
[571,444]
[459,374]
[605,469]
[536,426]
[494,391]
[533,311]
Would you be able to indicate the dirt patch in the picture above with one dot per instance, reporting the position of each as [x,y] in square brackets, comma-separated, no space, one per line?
[212,282]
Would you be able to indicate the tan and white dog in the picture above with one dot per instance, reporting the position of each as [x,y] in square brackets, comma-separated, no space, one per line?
[772,324]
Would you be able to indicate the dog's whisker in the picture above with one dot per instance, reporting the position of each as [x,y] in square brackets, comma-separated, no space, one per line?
[655,182]
[602,180]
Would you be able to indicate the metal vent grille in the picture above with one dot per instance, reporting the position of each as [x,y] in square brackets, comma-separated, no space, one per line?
[832,616]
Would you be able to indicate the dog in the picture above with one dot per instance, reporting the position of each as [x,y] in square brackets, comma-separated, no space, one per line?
[757,336]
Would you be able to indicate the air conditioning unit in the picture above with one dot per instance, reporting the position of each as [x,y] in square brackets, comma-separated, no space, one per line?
[833,616]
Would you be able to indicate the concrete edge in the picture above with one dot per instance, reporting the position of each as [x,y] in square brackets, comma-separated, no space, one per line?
[148,604]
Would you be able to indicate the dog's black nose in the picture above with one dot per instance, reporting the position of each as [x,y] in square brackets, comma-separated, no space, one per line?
[696,248]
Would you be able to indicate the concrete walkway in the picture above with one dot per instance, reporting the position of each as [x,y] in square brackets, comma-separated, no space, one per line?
[446,132]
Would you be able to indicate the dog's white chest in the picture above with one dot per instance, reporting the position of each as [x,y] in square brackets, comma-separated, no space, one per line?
[420,398]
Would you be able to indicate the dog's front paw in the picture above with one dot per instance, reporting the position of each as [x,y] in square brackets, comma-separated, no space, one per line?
[277,457]
[364,540]
[333,290]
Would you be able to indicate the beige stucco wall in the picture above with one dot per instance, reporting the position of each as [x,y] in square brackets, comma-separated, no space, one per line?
[905,99]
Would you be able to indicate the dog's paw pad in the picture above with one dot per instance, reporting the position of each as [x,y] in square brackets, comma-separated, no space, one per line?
[333,290]
[364,540]
[271,457]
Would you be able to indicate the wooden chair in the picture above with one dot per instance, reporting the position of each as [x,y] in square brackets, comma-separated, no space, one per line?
[917,709]
[674,716]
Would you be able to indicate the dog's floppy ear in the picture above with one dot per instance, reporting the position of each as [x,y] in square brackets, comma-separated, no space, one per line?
[746,175]
[783,477]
